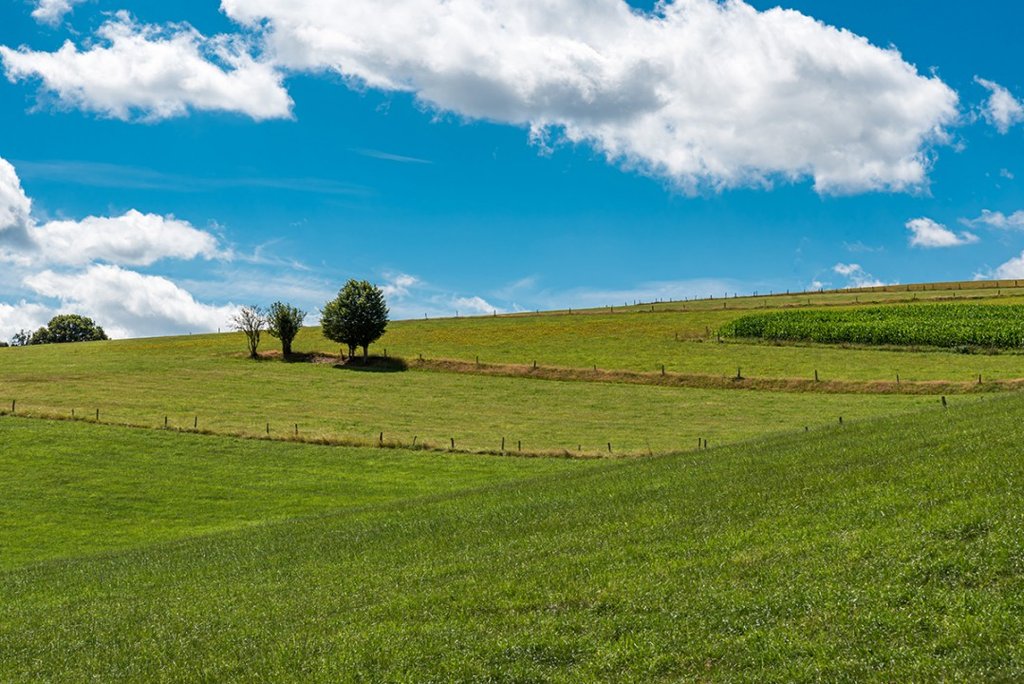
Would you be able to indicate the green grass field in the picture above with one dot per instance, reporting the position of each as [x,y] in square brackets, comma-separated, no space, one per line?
[78,488]
[888,550]
[139,382]
[884,547]
[685,341]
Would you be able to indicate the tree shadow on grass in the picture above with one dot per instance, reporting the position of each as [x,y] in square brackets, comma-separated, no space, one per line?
[374,364]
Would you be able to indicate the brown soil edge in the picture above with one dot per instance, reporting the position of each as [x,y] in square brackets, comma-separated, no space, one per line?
[670,379]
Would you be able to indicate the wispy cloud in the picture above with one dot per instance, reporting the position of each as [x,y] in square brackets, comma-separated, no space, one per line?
[859,247]
[388,156]
[997,220]
[104,175]
[856,276]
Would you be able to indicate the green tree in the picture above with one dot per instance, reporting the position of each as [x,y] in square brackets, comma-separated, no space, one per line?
[357,317]
[250,320]
[66,328]
[284,322]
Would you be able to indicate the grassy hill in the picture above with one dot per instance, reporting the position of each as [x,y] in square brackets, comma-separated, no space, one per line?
[888,550]
[205,381]
[286,544]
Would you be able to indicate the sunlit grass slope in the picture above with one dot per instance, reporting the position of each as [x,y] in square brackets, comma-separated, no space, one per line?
[77,488]
[889,551]
[140,382]
[682,337]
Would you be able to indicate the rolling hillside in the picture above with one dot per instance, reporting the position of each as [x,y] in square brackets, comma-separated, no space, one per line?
[883,551]
[222,518]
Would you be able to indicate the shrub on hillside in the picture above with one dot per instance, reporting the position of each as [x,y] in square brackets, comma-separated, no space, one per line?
[284,322]
[250,320]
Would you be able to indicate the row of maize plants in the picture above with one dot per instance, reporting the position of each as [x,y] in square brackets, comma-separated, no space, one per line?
[941,325]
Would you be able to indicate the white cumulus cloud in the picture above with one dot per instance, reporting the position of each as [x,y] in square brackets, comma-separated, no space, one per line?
[133,238]
[126,303]
[15,206]
[52,11]
[702,92]
[474,306]
[1012,269]
[398,285]
[137,70]
[130,304]
[22,316]
[1002,109]
[924,232]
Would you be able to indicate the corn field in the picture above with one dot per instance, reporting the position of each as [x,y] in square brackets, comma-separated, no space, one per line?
[940,325]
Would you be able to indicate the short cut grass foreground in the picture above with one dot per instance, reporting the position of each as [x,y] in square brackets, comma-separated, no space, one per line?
[889,550]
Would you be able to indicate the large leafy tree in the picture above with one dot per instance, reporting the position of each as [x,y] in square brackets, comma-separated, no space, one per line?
[284,322]
[357,317]
[68,328]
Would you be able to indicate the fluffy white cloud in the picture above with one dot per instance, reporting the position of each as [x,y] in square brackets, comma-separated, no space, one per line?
[133,238]
[474,306]
[52,11]
[22,316]
[997,219]
[15,206]
[1010,270]
[1002,109]
[856,276]
[126,303]
[924,232]
[398,284]
[154,73]
[130,304]
[702,92]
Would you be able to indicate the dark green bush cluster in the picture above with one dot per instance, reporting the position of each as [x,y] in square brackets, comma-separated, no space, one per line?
[61,329]
[940,325]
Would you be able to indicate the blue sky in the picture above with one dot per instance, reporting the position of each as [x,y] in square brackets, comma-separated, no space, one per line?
[156,206]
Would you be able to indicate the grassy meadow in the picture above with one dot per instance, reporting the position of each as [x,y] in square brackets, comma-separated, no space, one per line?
[140,382]
[78,488]
[888,551]
[884,547]
[681,336]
